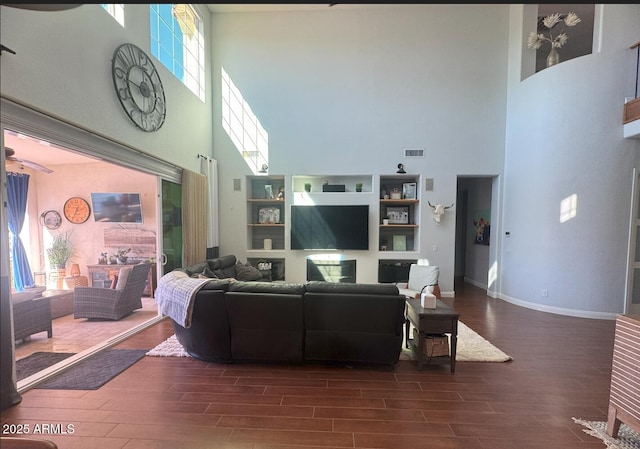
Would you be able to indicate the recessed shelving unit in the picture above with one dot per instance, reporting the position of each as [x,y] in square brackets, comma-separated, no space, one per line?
[265,212]
[400,204]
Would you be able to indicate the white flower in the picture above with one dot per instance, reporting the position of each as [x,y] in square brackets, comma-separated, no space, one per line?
[551,20]
[534,40]
[560,40]
[572,19]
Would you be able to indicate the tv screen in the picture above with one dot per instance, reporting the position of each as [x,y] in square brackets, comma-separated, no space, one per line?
[330,227]
[117,207]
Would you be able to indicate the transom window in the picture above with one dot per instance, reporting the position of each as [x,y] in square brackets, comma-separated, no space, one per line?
[177,42]
[116,10]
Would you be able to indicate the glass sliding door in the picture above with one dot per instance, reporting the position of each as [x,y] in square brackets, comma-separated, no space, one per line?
[171,226]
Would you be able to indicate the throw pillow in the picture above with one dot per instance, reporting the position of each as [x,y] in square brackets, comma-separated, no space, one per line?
[220,274]
[123,275]
[208,273]
[114,281]
[247,273]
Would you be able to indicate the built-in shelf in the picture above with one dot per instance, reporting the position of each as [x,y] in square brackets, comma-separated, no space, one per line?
[400,203]
[266,213]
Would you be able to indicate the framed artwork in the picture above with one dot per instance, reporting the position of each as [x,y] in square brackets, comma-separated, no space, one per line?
[398,214]
[269,215]
[482,227]
[409,191]
[400,242]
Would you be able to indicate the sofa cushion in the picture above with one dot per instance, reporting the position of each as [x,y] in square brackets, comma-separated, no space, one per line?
[351,288]
[123,276]
[222,262]
[19,297]
[247,273]
[267,287]
[216,284]
[195,269]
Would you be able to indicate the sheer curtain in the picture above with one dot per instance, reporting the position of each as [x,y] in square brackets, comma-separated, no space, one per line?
[194,217]
[209,168]
[17,188]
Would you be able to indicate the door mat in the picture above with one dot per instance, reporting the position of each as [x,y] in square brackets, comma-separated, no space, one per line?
[92,373]
[627,437]
[38,361]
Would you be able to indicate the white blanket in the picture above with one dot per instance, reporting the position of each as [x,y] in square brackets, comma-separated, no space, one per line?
[175,295]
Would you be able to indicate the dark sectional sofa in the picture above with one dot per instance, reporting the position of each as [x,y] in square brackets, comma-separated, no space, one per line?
[327,322]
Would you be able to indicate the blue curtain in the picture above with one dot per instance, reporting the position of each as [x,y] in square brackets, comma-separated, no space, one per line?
[17,187]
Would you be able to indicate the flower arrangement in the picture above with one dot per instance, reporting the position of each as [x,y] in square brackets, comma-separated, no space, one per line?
[536,40]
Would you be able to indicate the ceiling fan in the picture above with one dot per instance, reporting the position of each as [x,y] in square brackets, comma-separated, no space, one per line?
[9,156]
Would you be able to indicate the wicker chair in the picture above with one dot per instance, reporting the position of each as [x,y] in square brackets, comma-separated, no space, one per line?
[112,303]
[30,315]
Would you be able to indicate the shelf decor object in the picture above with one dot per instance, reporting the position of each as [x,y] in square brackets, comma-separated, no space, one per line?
[400,242]
[537,38]
[398,214]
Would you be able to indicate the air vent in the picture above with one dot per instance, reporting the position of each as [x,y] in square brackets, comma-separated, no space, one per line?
[414,152]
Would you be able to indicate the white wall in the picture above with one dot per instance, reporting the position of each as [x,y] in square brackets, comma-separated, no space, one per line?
[564,137]
[343,92]
[80,180]
[62,66]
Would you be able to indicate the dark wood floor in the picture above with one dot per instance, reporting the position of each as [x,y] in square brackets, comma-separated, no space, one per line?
[561,369]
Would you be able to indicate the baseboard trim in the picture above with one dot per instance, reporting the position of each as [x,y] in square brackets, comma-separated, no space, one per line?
[544,307]
[559,310]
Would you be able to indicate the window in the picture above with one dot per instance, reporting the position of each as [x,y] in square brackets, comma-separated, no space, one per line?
[116,10]
[177,42]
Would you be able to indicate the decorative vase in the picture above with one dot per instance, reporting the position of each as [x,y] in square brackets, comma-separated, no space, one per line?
[57,275]
[122,260]
[553,58]
[307,187]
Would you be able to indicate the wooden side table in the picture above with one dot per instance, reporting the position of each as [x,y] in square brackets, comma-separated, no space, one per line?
[441,320]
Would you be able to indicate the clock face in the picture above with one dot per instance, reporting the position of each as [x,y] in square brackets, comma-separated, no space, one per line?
[77,210]
[138,86]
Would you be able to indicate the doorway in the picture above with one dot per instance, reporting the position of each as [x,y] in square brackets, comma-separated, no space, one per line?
[476,213]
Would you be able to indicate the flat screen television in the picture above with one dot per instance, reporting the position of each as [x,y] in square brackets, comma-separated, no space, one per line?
[330,227]
[113,207]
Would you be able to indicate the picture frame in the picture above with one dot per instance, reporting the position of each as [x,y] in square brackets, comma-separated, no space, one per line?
[269,215]
[400,242]
[409,191]
[398,214]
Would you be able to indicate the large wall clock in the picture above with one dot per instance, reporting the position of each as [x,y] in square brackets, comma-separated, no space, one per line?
[76,210]
[138,87]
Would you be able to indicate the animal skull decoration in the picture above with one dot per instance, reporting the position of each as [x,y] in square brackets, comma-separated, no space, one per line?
[438,211]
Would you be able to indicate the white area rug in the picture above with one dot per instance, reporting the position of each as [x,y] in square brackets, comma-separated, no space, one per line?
[471,348]
[171,347]
[474,348]
[627,437]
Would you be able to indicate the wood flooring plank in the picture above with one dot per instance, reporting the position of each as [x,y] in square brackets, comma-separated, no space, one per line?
[185,403]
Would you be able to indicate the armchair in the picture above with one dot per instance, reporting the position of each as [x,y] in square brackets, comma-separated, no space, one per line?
[112,303]
[421,276]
